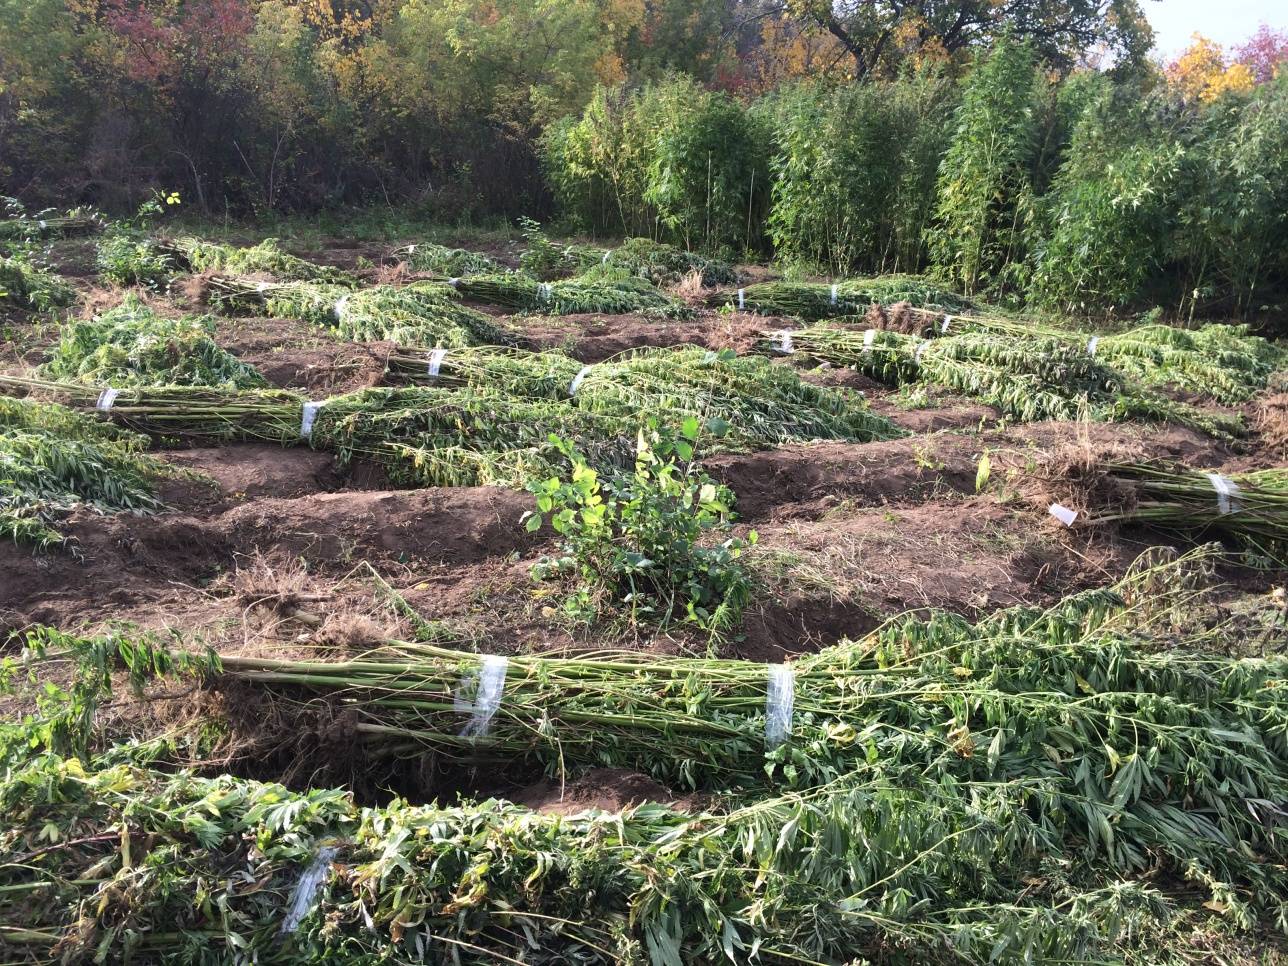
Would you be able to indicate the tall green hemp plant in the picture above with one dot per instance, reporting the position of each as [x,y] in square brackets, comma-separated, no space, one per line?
[643,540]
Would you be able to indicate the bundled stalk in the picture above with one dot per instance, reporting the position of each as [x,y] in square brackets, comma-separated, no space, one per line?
[131,345]
[29,286]
[423,314]
[47,225]
[572,296]
[267,257]
[441,260]
[1027,379]
[762,404]
[1141,752]
[1249,508]
[495,427]
[661,264]
[309,877]
[812,301]
[54,460]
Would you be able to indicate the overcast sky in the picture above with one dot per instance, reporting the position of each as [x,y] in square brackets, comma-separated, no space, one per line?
[1225,21]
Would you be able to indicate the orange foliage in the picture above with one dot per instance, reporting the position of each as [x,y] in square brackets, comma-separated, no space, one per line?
[1204,73]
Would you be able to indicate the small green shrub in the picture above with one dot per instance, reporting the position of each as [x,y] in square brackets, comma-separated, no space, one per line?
[635,541]
[24,283]
[545,260]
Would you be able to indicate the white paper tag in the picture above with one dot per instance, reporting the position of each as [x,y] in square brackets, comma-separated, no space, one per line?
[544,291]
[435,362]
[780,698]
[1227,494]
[411,249]
[943,326]
[261,287]
[307,415]
[576,380]
[604,260]
[783,342]
[742,298]
[1063,514]
[341,306]
[453,282]
[306,889]
[42,223]
[833,294]
[106,399]
[869,337]
[1091,345]
[916,356]
[487,699]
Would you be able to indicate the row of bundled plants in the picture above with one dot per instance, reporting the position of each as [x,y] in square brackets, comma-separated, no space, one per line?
[500,432]
[958,870]
[54,460]
[1250,509]
[266,258]
[820,300]
[613,295]
[959,789]
[423,313]
[442,260]
[1027,379]
[663,264]
[131,345]
[1224,363]
[125,258]
[26,284]
[21,226]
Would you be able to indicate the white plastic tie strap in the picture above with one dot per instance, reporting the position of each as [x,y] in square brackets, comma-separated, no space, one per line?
[341,306]
[544,291]
[42,223]
[869,337]
[307,417]
[411,249]
[453,282]
[943,326]
[780,697]
[1227,494]
[1091,345]
[604,260]
[834,294]
[1063,514]
[490,682]
[783,341]
[742,298]
[306,889]
[435,362]
[920,349]
[106,399]
[261,287]
[576,380]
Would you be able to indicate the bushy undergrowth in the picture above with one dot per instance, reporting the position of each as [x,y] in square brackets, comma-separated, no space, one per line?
[30,286]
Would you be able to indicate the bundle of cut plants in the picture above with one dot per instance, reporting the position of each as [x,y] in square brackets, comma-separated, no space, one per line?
[442,260]
[1250,509]
[30,286]
[48,225]
[1030,379]
[118,860]
[616,296]
[817,300]
[265,258]
[54,460]
[131,345]
[476,434]
[1144,752]
[425,314]
[662,264]
[124,258]
[762,404]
